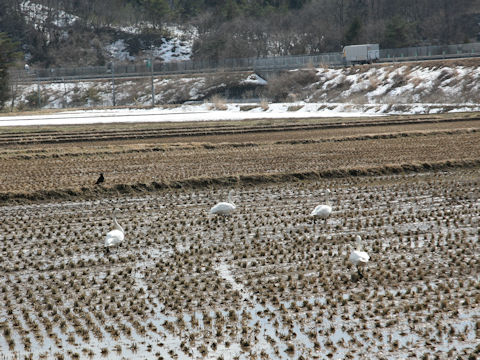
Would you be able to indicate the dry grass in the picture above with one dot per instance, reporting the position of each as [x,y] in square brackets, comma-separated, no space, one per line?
[218,103]
[212,154]
[294,107]
[264,104]
[289,85]
[248,107]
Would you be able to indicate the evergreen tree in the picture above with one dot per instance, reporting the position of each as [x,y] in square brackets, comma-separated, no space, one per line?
[296,4]
[8,55]
[353,32]
[396,33]
[156,10]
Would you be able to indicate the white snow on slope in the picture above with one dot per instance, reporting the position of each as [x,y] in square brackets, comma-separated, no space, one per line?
[174,50]
[38,14]
[118,50]
[177,48]
[398,84]
[254,79]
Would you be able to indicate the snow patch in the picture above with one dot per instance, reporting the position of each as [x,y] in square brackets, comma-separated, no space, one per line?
[254,79]
[38,14]
[118,51]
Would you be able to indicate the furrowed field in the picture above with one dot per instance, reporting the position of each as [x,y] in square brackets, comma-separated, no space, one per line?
[264,283]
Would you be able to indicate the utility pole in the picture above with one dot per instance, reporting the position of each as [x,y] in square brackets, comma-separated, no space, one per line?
[151,77]
[39,98]
[113,82]
[64,92]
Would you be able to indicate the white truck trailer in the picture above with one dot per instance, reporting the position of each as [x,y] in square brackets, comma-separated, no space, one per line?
[361,54]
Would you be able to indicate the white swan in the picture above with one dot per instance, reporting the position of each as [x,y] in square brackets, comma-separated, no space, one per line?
[224,208]
[358,257]
[322,211]
[115,236]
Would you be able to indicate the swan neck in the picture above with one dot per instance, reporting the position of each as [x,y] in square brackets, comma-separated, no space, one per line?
[359,246]
[230,200]
[117,225]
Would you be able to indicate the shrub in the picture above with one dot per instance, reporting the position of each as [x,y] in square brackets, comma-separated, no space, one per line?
[218,103]
[289,84]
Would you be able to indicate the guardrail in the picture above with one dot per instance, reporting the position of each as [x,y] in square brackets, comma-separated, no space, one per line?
[242,64]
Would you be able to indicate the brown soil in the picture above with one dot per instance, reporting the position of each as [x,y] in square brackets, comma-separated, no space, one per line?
[64,162]
[265,281]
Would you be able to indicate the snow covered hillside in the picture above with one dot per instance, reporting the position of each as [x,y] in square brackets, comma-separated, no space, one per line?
[429,82]
[176,47]
[428,87]
[415,87]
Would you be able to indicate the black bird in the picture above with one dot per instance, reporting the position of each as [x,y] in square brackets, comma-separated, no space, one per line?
[100,179]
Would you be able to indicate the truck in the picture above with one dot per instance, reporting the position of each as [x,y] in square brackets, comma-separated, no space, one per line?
[361,54]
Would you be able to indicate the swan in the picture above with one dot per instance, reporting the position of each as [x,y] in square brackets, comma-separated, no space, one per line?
[114,237]
[358,257]
[322,211]
[224,208]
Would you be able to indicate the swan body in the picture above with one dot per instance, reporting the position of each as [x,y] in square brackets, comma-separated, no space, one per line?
[322,211]
[114,237]
[224,208]
[358,257]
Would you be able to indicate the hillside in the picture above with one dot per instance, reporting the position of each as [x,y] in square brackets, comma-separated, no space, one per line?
[415,87]
[81,33]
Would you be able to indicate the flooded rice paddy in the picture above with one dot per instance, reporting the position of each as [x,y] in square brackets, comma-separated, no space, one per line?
[264,283]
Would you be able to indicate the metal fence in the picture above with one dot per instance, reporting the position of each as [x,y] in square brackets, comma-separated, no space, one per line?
[241,64]
[178,67]
[437,51]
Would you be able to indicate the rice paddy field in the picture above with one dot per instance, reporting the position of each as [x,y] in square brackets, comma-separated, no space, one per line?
[263,283]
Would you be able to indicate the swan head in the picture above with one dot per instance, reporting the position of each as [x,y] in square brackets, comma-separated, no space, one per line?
[358,241]
[327,196]
[230,194]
